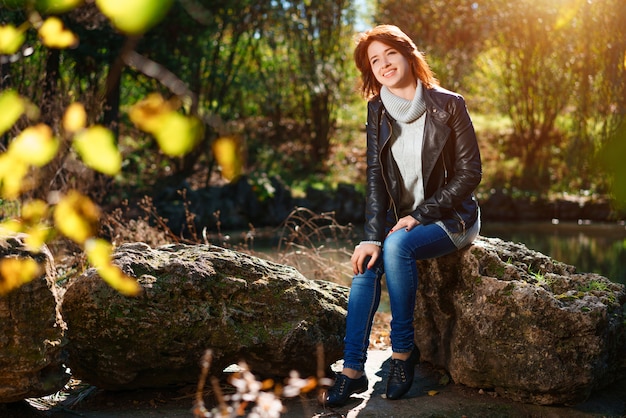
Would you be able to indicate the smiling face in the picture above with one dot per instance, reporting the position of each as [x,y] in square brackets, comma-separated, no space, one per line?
[392,69]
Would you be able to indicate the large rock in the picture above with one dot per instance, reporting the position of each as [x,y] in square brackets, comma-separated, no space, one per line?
[195,298]
[31,331]
[500,316]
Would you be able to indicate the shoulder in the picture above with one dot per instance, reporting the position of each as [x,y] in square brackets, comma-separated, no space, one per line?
[375,103]
[374,109]
[440,95]
[446,100]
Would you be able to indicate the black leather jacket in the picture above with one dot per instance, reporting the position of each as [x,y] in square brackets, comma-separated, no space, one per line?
[451,166]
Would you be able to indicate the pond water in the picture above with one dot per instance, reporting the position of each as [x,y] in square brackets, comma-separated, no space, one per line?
[591,248]
[594,248]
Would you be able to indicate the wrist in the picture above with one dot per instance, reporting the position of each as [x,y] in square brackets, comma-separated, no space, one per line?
[377,243]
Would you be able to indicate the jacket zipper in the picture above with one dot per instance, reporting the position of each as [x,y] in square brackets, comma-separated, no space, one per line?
[382,168]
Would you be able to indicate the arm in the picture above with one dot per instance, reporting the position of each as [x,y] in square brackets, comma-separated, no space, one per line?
[460,163]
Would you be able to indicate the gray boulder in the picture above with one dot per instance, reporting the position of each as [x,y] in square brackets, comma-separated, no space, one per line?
[32,332]
[502,317]
[195,298]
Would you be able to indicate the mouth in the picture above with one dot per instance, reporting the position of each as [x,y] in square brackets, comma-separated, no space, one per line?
[389,73]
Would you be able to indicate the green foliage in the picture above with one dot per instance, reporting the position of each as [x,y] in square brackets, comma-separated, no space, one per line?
[594,285]
[555,69]
[545,83]
[612,155]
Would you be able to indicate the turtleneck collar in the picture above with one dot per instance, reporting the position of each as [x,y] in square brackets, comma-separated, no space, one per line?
[403,110]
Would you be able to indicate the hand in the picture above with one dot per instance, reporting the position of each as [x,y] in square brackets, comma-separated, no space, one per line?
[361,253]
[407,223]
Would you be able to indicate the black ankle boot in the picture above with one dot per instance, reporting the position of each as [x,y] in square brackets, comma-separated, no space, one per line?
[343,387]
[401,373]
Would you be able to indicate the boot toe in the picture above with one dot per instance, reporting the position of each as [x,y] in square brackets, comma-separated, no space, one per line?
[343,388]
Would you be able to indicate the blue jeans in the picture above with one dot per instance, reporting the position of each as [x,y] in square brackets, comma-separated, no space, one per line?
[400,251]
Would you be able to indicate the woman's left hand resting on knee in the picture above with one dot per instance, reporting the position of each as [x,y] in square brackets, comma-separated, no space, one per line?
[408,222]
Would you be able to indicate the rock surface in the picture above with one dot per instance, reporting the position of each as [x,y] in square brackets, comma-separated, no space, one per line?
[500,316]
[195,298]
[32,332]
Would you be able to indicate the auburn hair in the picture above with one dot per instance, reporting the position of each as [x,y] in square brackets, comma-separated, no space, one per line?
[394,37]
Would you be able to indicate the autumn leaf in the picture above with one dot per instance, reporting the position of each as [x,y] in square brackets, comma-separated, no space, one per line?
[54,35]
[11,39]
[35,226]
[99,254]
[228,155]
[74,118]
[35,145]
[134,17]
[177,134]
[76,217]
[147,113]
[12,173]
[96,147]
[15,272]
[11,108]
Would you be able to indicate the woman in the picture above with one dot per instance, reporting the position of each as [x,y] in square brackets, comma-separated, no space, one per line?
[423,164]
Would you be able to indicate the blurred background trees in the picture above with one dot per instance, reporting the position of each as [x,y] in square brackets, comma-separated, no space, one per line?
[555,69]
[545,81]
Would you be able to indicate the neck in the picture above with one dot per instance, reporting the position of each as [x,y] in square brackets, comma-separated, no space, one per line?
[407,92]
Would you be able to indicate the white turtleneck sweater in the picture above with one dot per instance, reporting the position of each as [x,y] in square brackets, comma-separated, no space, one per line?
[406,144]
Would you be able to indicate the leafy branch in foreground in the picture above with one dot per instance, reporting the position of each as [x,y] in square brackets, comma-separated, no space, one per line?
[73,214]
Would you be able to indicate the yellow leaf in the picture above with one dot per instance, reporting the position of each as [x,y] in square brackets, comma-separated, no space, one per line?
[75,118]
[15,272]
[228,155]
[76,216]
[12,173]
[10,227]
[34,211]
[177,134]
[11,108]
[99,254]
[34,214]
[54,35]
[36,236]
[147,113]
[57,6]
[35,145]
[96,146]
[432,392]
[134,16]
[11,39]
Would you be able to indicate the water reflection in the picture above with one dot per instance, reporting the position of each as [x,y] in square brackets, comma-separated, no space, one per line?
[597,248]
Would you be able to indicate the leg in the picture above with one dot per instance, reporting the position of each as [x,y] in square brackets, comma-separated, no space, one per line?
[401,250]
[363,302]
